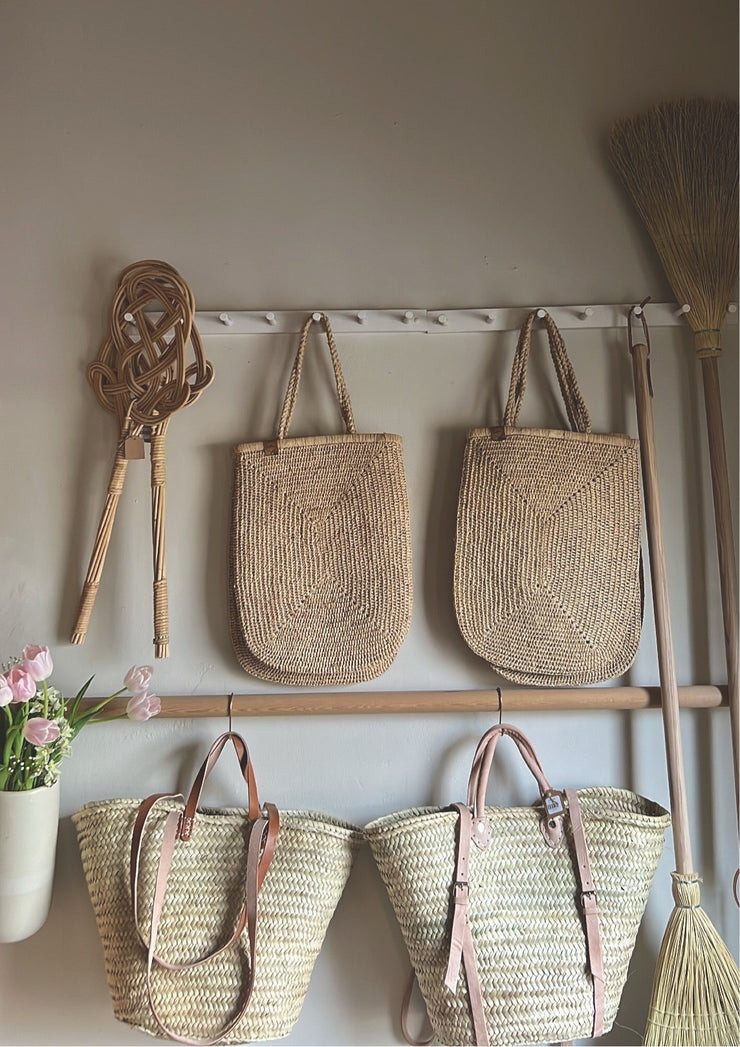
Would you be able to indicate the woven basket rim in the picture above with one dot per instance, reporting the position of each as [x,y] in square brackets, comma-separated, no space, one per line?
[310,441]
[313,820]
[591,799]
[617,439]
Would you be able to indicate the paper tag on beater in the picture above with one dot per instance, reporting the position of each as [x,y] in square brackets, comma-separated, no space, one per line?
[133,447]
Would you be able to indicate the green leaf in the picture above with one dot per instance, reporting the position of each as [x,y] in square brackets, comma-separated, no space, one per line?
[72,714]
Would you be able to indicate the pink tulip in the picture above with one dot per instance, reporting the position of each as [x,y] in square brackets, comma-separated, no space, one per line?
[143,706]
[37,662]
[39,731]
[6,694]
[21,683]
[137,678]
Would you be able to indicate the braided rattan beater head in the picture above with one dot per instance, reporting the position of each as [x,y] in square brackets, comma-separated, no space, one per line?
[142,375]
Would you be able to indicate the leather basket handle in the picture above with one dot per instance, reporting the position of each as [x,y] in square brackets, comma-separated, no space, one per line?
[245,762]
[483,758]
[179,827]
[262,836]
[291,392]
[474,828]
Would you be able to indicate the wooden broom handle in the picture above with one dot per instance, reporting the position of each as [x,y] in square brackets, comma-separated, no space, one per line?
[160,596]
[725,546]
[659,580]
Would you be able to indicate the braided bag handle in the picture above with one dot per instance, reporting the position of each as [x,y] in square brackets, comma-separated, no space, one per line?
[578,416]
[291,394]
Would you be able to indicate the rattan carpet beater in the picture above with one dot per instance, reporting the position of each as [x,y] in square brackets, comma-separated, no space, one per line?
[141,375]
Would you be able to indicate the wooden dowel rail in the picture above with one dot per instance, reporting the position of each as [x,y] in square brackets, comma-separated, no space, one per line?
[328,703]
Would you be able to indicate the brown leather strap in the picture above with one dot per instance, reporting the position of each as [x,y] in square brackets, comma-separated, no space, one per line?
[483,759]
[553,809]
[245,762]
[185,820]
[260,833]
[590,910]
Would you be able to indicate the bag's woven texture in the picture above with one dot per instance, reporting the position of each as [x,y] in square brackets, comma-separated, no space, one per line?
[547,581]
[320,587]
[320,560]
[312,862]
[526,925]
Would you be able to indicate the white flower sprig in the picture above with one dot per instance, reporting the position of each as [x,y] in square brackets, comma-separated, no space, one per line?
[38,724]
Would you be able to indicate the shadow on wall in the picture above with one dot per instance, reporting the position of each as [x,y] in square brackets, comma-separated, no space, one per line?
[56,980]
[216,560]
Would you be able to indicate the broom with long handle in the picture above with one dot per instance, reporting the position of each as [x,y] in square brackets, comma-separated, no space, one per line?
[679,162]
[696,989]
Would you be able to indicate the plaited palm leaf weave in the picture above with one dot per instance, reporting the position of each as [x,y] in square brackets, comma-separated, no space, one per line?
[524,911]
[312,859]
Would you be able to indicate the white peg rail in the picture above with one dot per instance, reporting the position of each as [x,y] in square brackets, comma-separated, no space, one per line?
[439,321]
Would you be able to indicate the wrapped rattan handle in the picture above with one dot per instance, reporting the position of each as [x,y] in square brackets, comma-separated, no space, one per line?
[291,393]
[483,758]
[578,416]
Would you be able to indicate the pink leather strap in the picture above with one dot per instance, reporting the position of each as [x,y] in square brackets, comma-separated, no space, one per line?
[262,834]
[259,834]
[483,759]
[553,810]
[405,1003]
[590,909]
[462,949]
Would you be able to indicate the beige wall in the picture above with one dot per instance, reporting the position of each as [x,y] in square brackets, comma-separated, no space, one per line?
[333,154]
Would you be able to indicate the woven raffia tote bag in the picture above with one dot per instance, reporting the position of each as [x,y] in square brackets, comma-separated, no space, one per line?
[211,920]
[547,577]
[520,922]
[320,587]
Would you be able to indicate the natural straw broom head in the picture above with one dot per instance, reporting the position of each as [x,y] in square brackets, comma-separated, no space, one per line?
[696,989]
[679,162]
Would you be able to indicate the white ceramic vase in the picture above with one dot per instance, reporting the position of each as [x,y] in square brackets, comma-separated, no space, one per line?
[28,838]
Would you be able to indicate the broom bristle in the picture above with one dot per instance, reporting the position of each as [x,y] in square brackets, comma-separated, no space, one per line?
[696,991]
[679,162]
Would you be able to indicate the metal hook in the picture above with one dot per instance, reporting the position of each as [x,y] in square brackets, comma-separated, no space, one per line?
[639,310]
[500,706]
[229,708]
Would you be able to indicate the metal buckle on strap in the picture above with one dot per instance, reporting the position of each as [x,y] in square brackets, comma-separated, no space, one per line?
[589,902]
[462,890]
